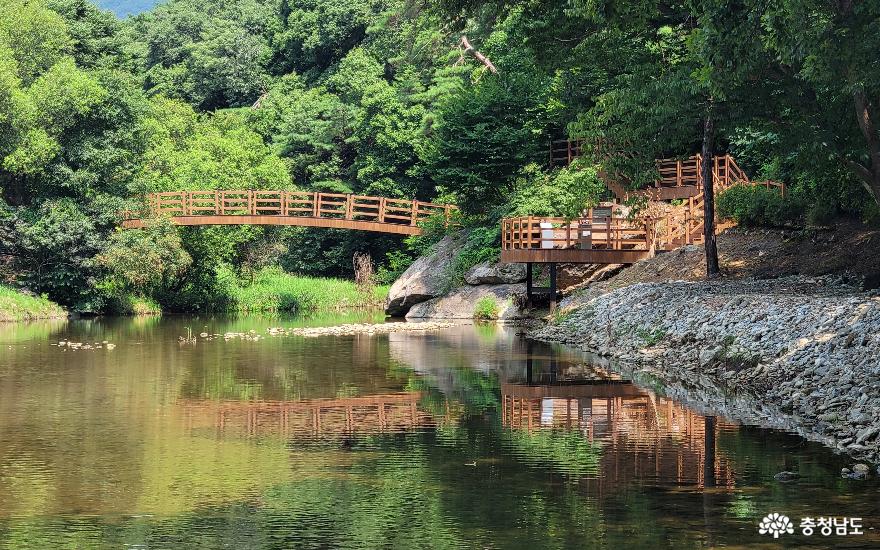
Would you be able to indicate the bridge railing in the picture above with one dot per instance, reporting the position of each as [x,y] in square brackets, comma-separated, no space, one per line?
[293,204]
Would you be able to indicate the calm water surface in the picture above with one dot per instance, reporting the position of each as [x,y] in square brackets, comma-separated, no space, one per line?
[471,437]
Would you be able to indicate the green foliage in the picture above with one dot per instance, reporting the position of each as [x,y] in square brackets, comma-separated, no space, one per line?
[483,244]
[484,136]
[132,304]
[486,309]
[54,248]
[272,290]
[145,261]
[16,306]
[190,151]
[565,193]
[212,54]
[759,206]
[317,33]
[651,337]
[396,262]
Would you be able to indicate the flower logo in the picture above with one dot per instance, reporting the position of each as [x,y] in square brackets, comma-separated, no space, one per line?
[775,524]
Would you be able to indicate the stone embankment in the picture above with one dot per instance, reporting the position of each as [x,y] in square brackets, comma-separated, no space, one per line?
[795,353]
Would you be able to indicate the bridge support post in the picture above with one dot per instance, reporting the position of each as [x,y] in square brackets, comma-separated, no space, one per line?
[532,291]
[529,283]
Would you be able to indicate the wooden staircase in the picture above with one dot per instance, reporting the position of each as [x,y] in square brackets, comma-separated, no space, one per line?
[684,224]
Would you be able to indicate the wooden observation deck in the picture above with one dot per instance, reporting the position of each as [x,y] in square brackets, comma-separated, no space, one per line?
[610,234]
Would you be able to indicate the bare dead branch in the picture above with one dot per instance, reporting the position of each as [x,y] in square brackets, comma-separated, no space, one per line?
[469,49]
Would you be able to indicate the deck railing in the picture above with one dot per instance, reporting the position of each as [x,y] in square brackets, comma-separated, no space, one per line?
[593,233]
[673,172]
[293,204]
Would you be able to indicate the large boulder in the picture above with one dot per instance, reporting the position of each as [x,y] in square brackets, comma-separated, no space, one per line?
[426,278]
[487,273]
[461,302]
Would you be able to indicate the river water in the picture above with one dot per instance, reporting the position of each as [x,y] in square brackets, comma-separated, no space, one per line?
[470,437]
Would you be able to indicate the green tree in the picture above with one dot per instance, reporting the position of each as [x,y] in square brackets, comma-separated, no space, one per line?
[144,261]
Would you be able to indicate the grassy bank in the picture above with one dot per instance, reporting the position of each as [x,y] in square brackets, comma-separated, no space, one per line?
[15,306]
[273,290]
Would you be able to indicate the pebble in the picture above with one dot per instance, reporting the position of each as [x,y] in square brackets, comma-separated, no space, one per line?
[76,346]
[360,328]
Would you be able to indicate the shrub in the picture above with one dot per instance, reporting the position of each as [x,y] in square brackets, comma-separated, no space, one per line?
[758,206]
[871,214]
[486,309]
[483,244]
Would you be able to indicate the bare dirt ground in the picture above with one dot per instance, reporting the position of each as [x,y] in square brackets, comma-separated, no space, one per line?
[849,250]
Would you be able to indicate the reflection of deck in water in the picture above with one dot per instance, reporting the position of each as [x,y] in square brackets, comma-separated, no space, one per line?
[642,436]
[345,416]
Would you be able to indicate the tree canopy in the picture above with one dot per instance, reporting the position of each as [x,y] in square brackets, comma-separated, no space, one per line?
[380,97]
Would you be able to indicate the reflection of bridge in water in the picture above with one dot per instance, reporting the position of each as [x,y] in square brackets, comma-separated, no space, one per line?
[311,418]
[642,436]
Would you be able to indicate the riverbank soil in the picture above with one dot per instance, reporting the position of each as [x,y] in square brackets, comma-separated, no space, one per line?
[805,344]
[849,250]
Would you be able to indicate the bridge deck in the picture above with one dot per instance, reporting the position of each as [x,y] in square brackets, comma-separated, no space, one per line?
[332,210]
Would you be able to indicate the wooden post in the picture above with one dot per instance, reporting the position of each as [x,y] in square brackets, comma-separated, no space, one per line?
[349,206]
[699,172]
[316,204]
[216,203]
[446,212]
[414,205]
[529,233]
[568,147]
[678,182]
[382,210]
[552,286]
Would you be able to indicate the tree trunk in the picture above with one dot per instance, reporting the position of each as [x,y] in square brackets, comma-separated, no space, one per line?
[713,269]
[870,175]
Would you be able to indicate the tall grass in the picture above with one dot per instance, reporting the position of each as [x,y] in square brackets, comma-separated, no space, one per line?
[15,306]
[273,290]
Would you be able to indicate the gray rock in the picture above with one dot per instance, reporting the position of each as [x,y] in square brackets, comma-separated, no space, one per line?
[487,273]
[460,303]
[861,468]
[426,278]
[707,355]
[867,433]
[787,476]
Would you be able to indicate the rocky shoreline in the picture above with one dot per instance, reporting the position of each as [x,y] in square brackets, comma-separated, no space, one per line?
[796,353]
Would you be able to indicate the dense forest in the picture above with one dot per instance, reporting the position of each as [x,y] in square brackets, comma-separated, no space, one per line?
[380,97]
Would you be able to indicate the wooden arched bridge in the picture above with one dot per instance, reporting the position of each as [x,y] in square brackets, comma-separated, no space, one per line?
[332,210]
